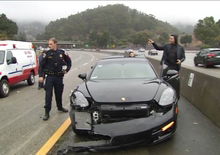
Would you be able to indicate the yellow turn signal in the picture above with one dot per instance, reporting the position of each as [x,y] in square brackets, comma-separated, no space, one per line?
[168,126]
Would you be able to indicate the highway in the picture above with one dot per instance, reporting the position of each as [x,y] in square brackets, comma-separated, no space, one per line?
[23,131]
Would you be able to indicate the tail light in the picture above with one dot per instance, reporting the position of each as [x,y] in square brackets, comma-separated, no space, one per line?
[211,55]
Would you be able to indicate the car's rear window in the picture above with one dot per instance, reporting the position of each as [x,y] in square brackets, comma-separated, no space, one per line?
[123,70]
[2,57]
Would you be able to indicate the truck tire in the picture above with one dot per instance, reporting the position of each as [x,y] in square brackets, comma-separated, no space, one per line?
[31,79]
[4,88]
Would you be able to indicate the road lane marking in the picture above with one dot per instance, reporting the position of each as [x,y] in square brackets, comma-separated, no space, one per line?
[54,138]
[85,64]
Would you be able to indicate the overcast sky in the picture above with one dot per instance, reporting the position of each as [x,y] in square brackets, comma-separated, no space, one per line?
[170,11]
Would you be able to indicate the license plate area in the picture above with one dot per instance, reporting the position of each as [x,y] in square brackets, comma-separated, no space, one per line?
[83,121]
[138,110]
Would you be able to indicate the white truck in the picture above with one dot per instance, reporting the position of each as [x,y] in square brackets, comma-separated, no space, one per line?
[18,62]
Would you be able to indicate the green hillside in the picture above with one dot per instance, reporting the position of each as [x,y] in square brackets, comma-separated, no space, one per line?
[108,26]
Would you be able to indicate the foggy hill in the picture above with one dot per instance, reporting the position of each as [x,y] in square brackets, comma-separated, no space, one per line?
[117,21]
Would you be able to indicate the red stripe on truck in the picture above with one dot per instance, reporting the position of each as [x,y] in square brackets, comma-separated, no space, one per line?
[3,44]
[25,75]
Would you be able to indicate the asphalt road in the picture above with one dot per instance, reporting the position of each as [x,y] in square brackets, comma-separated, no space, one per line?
[22,130]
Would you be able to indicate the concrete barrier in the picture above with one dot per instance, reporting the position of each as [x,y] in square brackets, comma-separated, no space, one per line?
[202,90]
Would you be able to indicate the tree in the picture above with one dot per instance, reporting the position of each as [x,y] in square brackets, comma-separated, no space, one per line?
[186,39]
[107,26]
[163,38]
[140,38]
[21,36]
[208,31]
[8,28]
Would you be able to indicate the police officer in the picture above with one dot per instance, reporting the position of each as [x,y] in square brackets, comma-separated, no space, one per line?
[54,65]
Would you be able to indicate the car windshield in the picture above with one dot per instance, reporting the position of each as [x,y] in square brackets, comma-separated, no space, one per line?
[123,70]
[2,57]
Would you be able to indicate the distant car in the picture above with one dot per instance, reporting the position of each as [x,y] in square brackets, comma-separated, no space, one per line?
[152,52]
[124,100]
[208,57]
[129,50]
[141,50]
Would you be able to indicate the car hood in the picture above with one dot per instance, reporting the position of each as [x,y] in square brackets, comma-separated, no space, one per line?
[119,91]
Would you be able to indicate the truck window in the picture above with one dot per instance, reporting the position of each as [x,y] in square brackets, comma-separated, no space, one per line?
[2,57]
[9,56]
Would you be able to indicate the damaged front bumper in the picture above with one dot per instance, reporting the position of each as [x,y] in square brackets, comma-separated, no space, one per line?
[152,129]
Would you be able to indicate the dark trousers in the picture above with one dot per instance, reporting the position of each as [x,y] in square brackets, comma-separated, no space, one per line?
[55,82]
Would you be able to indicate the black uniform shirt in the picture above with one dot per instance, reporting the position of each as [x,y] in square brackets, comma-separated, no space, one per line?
[53,62]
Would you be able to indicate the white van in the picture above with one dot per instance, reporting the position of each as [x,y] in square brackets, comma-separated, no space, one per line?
[18,62]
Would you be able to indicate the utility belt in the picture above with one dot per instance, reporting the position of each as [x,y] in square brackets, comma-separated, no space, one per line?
[51,73]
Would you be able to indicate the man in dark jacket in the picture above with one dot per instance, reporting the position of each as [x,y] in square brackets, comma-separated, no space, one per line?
[173,54]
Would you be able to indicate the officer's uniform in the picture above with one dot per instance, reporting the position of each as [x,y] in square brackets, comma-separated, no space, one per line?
[53,65]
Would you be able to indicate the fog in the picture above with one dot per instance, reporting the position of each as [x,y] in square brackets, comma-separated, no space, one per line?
[187,12]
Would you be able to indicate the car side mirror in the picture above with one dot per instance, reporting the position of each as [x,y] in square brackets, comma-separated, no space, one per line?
[82,76]
[172,72]
[13,60]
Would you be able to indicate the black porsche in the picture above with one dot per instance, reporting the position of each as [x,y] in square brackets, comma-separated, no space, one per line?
[124,101]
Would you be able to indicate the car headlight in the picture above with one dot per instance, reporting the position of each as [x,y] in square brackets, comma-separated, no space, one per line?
[167,97]
[78,99]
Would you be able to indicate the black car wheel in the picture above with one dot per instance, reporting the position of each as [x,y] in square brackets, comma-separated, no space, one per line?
[31,79]
[195,63]
[4,88]
[206,64]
